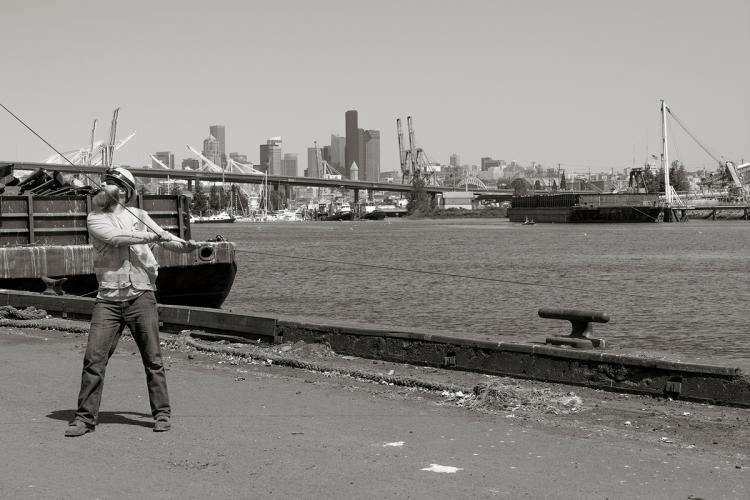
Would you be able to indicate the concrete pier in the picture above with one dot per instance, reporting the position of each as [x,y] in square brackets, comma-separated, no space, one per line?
[591,368]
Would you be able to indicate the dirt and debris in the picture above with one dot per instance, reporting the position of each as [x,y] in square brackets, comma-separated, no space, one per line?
[574,411]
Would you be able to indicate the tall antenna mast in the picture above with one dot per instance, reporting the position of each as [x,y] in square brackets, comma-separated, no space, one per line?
[665,155]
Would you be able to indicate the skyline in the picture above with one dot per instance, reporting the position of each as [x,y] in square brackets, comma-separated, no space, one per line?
[576,83]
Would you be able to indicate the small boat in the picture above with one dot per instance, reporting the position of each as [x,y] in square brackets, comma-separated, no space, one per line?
[374,215]
[339,216]
[221,217]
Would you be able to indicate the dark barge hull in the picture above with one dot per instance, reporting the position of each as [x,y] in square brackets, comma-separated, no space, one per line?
[587,208]
[46,237]
[199,286]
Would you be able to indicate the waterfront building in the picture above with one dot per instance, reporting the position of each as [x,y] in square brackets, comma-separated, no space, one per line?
[219,132]
[165,157]
[390,176]
[289,165]
[488,163]
[270,156]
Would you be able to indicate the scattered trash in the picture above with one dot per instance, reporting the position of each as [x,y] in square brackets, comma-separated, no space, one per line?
[666,440]
[239,379]
[395,444]
[516,398]
[447,469]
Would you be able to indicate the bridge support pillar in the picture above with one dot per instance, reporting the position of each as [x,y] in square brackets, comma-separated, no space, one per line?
[190,185]
[356,197]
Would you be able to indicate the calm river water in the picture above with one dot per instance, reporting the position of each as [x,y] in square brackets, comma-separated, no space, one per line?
[677,288]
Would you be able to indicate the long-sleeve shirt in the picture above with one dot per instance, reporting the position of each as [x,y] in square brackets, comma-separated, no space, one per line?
[124,264]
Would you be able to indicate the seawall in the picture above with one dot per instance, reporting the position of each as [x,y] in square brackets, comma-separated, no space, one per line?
[591,368]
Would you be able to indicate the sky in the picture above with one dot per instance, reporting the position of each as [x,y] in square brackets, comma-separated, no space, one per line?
[569,83]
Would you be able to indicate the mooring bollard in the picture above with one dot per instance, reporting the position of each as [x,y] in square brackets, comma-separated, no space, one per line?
[54,286]
[580,335]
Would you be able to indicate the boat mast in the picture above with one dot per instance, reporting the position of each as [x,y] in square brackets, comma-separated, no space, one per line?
[665,155]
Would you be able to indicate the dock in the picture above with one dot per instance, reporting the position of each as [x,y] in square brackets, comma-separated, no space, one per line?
[594,368]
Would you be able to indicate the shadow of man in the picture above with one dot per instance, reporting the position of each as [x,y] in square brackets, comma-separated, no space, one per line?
[109,417]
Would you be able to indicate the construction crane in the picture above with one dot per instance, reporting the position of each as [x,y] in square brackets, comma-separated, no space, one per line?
[109,148]
[728,175]
[414,162]
[97,152]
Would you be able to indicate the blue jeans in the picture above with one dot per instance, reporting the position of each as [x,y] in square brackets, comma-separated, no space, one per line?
[108,320]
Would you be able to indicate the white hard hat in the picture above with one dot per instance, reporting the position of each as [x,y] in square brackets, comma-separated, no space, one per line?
[122,177]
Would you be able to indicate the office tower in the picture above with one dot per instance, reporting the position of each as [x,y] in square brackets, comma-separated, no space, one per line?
[455,160]
[211,150]
[370,167]
[289,165]
[338,152]
[270,156]
[313,169]
[165,157]
[219,132]
[352,152]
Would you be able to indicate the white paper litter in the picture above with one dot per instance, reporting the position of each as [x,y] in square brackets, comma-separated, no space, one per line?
[442,468]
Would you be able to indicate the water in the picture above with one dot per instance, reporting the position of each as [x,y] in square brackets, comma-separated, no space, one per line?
[677,288]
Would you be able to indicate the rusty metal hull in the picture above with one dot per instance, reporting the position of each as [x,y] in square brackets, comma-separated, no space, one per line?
[46,237]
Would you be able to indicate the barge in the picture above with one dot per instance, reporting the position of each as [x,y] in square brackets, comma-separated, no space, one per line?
[589,208]
[44,248]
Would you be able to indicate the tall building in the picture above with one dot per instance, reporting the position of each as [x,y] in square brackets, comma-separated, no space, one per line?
[353,148]
[313,169]
[455,160]
[219,132]
[361,147]
[211,150]
[370,166]
[289,165]
[338,152]
[165,157]
[270,156]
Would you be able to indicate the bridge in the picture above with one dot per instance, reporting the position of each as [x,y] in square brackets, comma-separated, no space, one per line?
[193,176]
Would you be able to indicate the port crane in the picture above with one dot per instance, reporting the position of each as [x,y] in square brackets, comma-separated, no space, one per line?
[733,178]
[414,161]
[98,152]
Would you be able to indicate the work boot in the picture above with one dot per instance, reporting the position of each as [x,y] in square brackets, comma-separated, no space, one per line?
[78,428]
[162,424]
